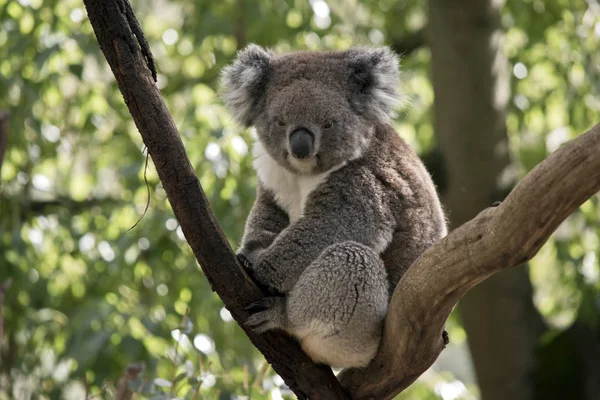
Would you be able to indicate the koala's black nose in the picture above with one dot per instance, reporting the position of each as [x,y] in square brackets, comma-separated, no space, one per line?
[301,143]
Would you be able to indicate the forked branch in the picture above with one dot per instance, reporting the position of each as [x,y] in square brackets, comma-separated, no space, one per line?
[497,238]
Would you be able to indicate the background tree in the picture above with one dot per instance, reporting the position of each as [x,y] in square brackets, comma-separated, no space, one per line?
[89,297]
[472,93]
[471,84]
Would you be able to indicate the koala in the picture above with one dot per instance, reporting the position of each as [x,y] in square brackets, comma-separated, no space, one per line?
[343,205]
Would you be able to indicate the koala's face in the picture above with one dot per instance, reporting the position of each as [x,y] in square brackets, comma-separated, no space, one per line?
[312,110]
[310,127]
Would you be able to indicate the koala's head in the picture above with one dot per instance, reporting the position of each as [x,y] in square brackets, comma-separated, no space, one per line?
[312,110]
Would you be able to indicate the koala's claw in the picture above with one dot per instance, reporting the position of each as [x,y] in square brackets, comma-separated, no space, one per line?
[267,314]
[257,306]
[260,322]
[244,261]
[251,272]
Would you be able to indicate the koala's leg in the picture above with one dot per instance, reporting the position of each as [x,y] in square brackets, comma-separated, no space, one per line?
[337,307]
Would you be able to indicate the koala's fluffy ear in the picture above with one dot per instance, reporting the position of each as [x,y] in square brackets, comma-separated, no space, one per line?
[375,75]
[243,83]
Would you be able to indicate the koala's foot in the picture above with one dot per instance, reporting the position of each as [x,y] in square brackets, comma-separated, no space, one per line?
[267,314]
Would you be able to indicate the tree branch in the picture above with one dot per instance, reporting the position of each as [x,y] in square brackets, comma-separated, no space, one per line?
[498,238]
[110,20]
[4,117]
[43,207]
[408,44]
[28,208]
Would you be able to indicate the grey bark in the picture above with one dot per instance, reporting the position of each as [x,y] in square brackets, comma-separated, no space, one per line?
[470,78]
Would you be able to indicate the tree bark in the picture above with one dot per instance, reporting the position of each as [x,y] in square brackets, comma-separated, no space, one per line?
[497,238]
[471,84]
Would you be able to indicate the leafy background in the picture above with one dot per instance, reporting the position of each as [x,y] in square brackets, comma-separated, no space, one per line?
[91,295]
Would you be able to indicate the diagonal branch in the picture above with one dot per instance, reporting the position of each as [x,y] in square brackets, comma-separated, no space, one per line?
[409,43]
[498,238]
[132,69]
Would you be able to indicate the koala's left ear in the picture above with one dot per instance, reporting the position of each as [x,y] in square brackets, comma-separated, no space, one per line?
[243,83]
[375,78]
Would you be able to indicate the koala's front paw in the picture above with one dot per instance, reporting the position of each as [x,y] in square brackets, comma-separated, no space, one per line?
[267,314]
[266,274]
[250,270]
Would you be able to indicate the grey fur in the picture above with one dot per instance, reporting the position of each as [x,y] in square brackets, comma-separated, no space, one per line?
[333,233]
[244,82]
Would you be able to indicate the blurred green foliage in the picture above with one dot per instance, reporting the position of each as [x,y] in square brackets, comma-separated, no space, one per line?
[90,296]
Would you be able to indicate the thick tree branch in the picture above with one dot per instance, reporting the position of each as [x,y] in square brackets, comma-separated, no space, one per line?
[498,238]
[110,20]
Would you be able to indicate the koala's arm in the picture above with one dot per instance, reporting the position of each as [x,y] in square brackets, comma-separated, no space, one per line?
[334,215]
[265,221]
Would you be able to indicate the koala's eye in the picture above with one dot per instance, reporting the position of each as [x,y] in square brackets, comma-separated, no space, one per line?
[280,122]
[328,125]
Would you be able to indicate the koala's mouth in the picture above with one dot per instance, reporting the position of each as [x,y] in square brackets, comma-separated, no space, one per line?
[305,165]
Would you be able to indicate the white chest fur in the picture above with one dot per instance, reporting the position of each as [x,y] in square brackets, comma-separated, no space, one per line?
[291,190]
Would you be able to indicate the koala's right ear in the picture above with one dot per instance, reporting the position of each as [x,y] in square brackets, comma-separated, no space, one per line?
[244,82]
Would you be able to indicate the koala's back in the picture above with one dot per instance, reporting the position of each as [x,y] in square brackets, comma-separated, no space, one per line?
[419,218]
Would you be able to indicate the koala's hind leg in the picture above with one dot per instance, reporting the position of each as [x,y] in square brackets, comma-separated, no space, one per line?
[337,307]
